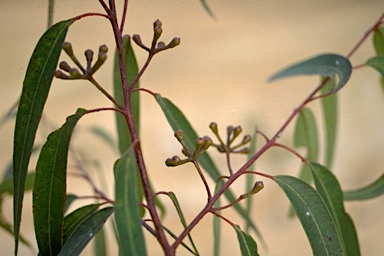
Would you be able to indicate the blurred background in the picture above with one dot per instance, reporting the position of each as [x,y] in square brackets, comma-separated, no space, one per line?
[218,73]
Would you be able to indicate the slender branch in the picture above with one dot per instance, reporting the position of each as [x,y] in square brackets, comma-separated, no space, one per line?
[106,8]
[141,72]
[123,16]
[103,91]
[197,166]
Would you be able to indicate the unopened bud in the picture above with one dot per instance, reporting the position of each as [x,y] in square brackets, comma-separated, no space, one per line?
[213,127]
[103,48]
[65,66]
[137,39]
[247,138]
[157,24]
[160,45]
[174,161]
[102,56]
[175,42]
[236,131]
[179,135]
[75,73]
[59,74]
[67,47]
[207,142]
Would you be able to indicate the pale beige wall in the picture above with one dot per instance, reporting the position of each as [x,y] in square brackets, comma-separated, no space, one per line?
[218,73]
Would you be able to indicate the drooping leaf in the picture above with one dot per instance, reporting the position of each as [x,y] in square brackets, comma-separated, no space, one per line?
[182,243]
[182,218]
[377,63]
[178,121]
[85,232]
[378,40]
[124,138]
[36,85]
[248,246]
[75,218]
[100,244]
[250,181]
[49,189]
[314,216]
[217,224]
[329,189]
[128,221]
[327,65]
[7,185]
[330,111]
[70,198]
[370,191]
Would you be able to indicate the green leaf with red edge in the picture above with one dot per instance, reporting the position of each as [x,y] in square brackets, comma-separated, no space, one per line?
[49,191]
[85,232]
[329,189]
[248,246]
[370,191]
[36,85]
[327,65]
[314,216]
[178,121]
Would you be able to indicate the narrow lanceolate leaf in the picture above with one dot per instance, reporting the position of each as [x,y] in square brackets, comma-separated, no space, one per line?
[217,224]
[248,246]
[182,219]
[378,40]
[49,190]
[124,139]
[327,65]
[373,190]
[36,85]
[329,189]
[178,121]
[207,8]
[100,244]
[330,110]
[250,181]
[85,232]
[75,218]
[7,185]
[314,216]
[306,135]
[377,63]
[128,221]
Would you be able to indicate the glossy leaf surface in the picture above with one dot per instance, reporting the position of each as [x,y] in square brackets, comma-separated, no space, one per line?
[85,232]
[178,121]
[314,216]
[128,221]
[329,189]
[327,65]
[370,191]
[49,190]
[36,85]
[248,246]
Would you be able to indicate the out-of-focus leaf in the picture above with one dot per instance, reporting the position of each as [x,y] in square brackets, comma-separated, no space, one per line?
[182,219]
[69,200]
[370,191]
[329,189]
[377,63]
[36,85]
[327,65]
[330,110]
[124,138]
[378,40]
[250,181]
[50,186]
[182,243]
[217,224]
[128,221]
[248,246]
[85,232]
[7,185]
[207,8]
[75,218]
[178,121]
[104,136]
[4,224]
[314,216]
[100,244]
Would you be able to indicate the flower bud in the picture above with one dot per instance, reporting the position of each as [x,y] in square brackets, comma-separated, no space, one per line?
[160,45]
[157,24]
[59,74]
[75,74]
[103,48]
[67,47]
[179,135]
[247,138]
[236,131]
[65,66]
[213,127]
[102,56]
[137,39]
[175,42]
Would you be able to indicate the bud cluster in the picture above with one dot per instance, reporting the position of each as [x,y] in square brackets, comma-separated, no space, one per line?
[156,45]
[74,73]
[202,144]
[232,134]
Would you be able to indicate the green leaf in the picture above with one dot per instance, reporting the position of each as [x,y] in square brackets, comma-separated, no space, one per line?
[327,65]
[100,244]
[70,198]
[182,243]
[330,110]
[132,70]
[377,63]
[7,185]
[75,218]
[314,216]
[370,191]
[207,8]
[178,121]
[37,83]
[182,219]
[248,246]
[85,232]
[250,181]
[128,221]
[329,189]
[5,225]
[217,223]
[378,40]
[49,190]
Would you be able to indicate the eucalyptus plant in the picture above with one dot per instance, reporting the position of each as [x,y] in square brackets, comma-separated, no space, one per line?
[316,196]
